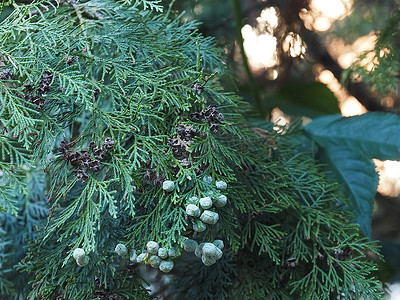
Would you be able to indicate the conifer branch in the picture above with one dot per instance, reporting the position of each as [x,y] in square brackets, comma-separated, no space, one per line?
[122,148]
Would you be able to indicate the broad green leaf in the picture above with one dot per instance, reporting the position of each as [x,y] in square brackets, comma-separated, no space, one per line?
[390,250]
[348,146]
[358,179]
[374,134]
[307,99]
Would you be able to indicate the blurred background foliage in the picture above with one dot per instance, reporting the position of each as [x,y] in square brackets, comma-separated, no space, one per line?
[308,58]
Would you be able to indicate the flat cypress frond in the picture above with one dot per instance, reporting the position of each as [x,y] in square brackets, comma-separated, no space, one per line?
[120,113]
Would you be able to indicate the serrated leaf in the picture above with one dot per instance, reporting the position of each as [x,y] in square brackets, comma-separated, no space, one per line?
[373,134]
[348,146]
[358,179]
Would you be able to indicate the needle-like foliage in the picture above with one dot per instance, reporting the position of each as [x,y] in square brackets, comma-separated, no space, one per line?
[119,145]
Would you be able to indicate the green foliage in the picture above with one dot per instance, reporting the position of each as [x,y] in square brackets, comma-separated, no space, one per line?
[101,103]
[380,67]
[306,99]
[349,151]
[16,229]
[300,238]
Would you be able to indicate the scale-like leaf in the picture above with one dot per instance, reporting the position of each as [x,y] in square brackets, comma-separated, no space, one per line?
[7,200]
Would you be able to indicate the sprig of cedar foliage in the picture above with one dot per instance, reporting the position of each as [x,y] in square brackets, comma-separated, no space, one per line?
[124,74]
[380,66]
[296,243]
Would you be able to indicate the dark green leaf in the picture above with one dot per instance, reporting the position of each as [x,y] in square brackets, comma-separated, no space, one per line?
[307,99]
[390,251]
[373,134]
[358,179]
[348,146]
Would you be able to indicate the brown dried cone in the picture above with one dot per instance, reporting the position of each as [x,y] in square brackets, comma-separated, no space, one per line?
[210,114]
[44,85]
[6,74]
[152,176]
[83,161]
[38,101]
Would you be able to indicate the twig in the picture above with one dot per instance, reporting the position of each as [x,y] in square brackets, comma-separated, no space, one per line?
[81,21]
